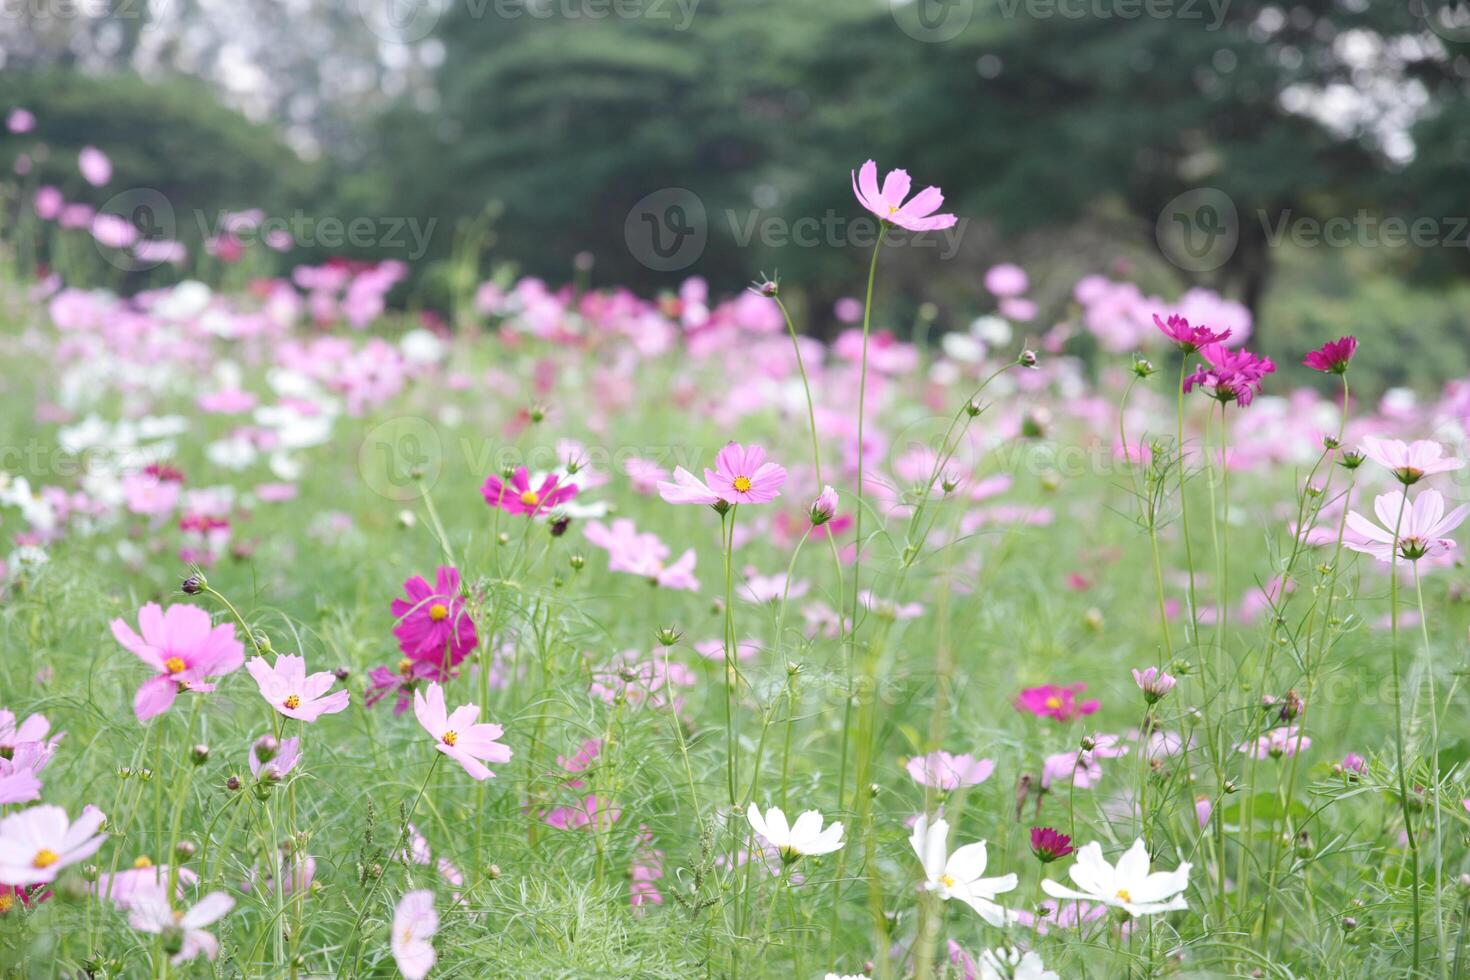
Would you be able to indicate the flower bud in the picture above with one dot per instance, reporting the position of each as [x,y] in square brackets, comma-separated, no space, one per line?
[668,636]
[1143,367]
[1027,358]
[407,519]
[973,408]
[194,584]
[173,939]
[1351,460]
[824,508]
[199,754]
[492,872]
[577,560]
[232,784]
[184,850]
[558,526]
[342,673]
[265,748]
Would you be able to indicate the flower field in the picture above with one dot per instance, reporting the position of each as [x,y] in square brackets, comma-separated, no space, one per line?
[622,636]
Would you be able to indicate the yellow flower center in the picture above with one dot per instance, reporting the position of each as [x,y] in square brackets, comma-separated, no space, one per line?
[893,209]
[438,612]
[143,861]
[1053,702]
[174,665]
[530,499]
[405,666]
[946,881]
[7,902]
[293,701]
[1124,896]
[742,484]
[45,857]
[449,738]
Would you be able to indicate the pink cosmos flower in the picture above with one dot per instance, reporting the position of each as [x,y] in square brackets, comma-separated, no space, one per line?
[35,844]
[1352,762]
[888,202]
[33,729]
[643,554]
[1052,701]
[95,167]
[294,694]
[947,772]
[1410,462]
[20,121]
[19,782]
[1203,809]
[125,887]
[1080,768]
[1421,529]
[433,624]
[414,924]
[152,912]
[1006,279]
[742,476]
[517,496]
[1189,339]
[1154,683]
[1048,845]
[278,766]
[686,488]
[184,647]
[457,735]
[824,508]
[1231,376]
[646,868]
[1333,356]
[1277,743]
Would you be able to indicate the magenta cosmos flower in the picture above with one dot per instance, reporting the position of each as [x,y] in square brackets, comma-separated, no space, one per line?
[948,772]
[518,497]
[1333,356]
[414,924]
[36,844]
[888,204]
[1189,339]
[1421,528]
[1048,844]
[1409,461]
[742,476]
[292,692]
[457,735]
[1230,376]
[184,647]
[1052,701]
[433,624]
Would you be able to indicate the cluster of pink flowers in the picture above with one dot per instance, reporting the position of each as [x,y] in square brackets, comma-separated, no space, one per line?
[1230,376]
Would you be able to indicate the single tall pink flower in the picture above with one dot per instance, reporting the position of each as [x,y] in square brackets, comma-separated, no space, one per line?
[1189,339]
[292,692]
[888,202]
[35,844]
[433,624]
[948,772]
[518,497]
[1421,529]
[1333,356]
[1052,701]
[184,647]
[414,924]
[1411,461]
[457,735]
[742,476]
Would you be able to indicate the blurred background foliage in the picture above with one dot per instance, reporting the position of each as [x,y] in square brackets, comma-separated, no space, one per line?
[1060,129]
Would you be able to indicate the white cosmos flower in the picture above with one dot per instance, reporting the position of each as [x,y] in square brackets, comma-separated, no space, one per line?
[805,837]
[1012,964]
[1128,886]
[960,874]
